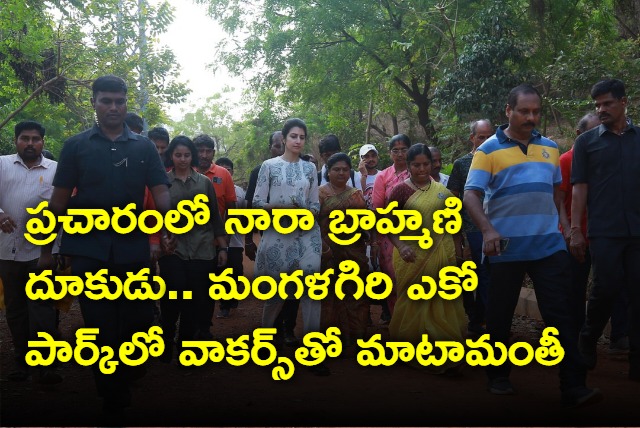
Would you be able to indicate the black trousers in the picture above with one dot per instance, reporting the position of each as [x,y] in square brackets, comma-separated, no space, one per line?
[579,282]
[184,275]
[25,317]
[552,281]
[235,256]
[117,320]
[616,267]
[619,312]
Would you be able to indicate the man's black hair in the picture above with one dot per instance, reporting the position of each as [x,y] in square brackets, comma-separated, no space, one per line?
[47,154]
[159,133]
[615,86]
[28,125]
[205,140]
[224,161]
[329,143]
[134,122]
[108,83]
[523,89]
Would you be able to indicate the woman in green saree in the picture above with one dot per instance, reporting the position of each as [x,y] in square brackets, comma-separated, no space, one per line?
[442,320]
[349,314]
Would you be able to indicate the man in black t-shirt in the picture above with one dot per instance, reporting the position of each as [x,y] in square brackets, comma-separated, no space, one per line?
[475,303]
[109,166]
[605,177]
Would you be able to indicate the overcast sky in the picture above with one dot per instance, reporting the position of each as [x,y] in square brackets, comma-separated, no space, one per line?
[193,36]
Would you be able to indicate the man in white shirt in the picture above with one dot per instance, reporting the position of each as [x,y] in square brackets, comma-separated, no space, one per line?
[26,179]
[367,171]
[436,166]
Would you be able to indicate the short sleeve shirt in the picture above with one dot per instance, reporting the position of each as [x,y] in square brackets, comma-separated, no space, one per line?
[368,190]
[610,165]
[223,185]
[108,174]
[519,191]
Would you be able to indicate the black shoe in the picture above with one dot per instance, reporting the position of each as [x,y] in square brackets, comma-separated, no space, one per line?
[501,386]
[291,340]
[580,396]
[588,351]
[320,370]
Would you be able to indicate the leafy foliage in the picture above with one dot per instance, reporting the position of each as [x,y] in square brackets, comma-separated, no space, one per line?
[50,53]
[491,63]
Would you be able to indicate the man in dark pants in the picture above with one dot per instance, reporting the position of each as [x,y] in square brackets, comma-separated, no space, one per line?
[605,178]
[474,302]
[580,269]
[518,169]
[25,181]
[109,166]
[235,252]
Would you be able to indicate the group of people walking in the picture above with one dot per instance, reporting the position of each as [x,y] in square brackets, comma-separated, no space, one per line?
[513,223]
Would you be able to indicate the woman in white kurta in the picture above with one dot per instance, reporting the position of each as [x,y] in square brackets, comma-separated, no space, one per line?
[289,182]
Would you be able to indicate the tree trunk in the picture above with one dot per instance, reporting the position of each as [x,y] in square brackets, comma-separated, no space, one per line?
[628,15]
[367,135]
[424,118]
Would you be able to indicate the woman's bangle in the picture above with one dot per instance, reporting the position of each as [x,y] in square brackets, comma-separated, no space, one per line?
[326,252]
[224,249]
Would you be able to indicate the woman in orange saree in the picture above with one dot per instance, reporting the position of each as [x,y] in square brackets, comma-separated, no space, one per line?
[349,314]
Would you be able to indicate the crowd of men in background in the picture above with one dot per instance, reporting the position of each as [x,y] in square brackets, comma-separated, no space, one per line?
[511,221]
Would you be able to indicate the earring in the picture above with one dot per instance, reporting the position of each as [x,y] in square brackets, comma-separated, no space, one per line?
[95,118]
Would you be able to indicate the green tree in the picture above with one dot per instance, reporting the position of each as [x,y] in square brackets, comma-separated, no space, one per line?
[334,50]
[50,53]
[490,64]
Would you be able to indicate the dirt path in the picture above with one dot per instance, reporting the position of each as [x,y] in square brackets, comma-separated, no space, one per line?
[220,394]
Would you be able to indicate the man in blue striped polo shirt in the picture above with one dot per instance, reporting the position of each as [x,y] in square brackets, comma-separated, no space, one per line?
[518,170]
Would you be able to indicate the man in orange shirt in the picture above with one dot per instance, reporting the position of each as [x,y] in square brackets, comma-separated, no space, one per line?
[220,177]
[225,195]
